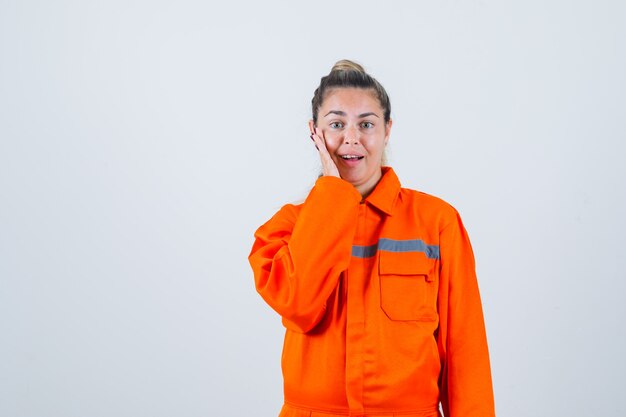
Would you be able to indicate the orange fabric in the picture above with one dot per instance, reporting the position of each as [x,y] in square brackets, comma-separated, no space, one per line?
[293,411]
[380,302]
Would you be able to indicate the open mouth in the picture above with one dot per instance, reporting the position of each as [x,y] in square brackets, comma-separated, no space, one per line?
[351,157]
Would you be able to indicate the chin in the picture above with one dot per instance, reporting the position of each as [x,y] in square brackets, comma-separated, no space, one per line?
[352,178]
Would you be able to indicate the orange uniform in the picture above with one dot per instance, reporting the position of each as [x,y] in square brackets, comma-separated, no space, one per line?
[380,301]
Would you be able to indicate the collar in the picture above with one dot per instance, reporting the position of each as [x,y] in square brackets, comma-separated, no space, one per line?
[386,192]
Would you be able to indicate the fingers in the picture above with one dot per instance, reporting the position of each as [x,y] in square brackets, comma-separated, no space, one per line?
[320,145]
[313,140]
[328,165]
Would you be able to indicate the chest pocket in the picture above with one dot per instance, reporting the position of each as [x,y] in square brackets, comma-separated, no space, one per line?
[408,286]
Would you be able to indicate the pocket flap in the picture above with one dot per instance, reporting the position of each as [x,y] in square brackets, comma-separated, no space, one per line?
[406,263]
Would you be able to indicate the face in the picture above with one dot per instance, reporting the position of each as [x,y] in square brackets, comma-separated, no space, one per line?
[352,123]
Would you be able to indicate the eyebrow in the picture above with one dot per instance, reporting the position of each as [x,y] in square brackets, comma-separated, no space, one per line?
[343,113]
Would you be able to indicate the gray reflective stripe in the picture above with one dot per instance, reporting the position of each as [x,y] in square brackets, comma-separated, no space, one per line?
[364,251]
[390,245]
[414,245]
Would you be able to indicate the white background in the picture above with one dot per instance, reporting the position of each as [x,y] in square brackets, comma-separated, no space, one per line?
[143,142]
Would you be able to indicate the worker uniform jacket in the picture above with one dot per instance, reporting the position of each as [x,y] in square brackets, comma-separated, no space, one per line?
[380,302]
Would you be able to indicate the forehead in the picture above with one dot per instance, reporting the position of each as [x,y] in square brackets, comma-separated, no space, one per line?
[357,100]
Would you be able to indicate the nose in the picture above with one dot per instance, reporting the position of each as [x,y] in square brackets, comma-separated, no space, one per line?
[351,136]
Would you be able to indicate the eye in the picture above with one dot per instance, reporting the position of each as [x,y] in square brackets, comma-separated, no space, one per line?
[367,125]
[336,125]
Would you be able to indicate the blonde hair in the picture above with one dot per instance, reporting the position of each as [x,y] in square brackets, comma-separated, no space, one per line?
[347,65]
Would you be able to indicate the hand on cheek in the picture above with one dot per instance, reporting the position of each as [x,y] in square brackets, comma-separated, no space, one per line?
[328,165]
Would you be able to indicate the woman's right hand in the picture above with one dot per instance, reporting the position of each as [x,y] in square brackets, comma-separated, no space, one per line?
[328,165]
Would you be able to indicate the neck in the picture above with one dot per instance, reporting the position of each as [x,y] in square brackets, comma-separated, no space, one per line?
[367,187]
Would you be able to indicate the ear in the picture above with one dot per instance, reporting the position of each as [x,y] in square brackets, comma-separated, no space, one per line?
[312,126]
[388,130]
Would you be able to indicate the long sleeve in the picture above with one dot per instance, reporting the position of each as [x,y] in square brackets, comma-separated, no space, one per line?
[299,254]
[466,386]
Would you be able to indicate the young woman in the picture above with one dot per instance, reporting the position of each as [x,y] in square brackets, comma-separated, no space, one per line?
[375,283]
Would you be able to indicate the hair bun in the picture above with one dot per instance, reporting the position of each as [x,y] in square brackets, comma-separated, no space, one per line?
[347,65]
